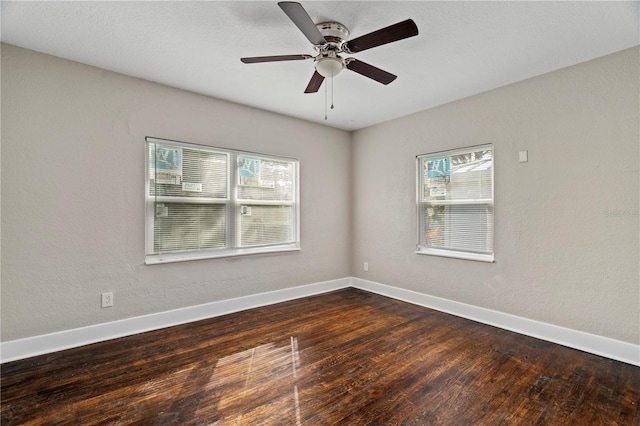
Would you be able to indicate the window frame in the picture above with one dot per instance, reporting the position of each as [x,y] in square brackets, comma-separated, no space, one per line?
[421,204]
[232,203]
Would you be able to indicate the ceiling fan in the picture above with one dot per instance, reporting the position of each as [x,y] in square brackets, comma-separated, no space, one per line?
[329,40]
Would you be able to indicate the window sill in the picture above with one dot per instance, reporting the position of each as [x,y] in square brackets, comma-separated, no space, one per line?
[489,258]
[186,257]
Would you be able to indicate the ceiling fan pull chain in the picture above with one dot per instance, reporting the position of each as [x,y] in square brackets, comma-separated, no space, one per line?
[331,90]
[325,101]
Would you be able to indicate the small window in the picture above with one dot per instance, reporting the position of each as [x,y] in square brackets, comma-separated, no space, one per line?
[455,203]
[204,202]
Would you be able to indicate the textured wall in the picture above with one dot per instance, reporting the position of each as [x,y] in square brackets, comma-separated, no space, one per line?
[567,225]
[73,196]
[567,239]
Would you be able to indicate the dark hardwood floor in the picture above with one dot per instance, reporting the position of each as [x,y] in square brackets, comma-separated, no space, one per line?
[347,357]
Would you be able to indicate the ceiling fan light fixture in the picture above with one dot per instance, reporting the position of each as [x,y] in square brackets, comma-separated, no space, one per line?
[329,67]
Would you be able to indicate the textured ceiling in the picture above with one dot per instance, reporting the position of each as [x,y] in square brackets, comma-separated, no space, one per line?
[463,48]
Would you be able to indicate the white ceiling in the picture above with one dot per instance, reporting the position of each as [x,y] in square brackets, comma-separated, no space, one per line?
[463,48]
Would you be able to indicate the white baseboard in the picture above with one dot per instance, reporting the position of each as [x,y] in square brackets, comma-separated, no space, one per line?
[598,345]
[38,345]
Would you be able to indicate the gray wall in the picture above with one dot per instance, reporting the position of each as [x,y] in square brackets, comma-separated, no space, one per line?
[73,196]
[567,248]
[567,225]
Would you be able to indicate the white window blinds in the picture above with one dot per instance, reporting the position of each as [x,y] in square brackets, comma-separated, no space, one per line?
[455,203]
[207,202]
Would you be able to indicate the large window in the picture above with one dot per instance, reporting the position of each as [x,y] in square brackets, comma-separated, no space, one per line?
[455,203]
[204,202]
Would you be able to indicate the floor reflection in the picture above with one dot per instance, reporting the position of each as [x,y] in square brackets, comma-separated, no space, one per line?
[250,386]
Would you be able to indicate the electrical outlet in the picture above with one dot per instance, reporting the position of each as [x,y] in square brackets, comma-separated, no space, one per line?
[366,266]
[107,300]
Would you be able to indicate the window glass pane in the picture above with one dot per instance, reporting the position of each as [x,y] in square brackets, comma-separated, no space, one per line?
[183,172]
[265,179]
[264,225]
[465,176]
[465,227]
[181,227]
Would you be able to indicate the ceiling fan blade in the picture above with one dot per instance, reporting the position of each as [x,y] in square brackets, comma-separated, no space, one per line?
[256,59]
[303,21]
[395,32]
[370,71]
[315,83]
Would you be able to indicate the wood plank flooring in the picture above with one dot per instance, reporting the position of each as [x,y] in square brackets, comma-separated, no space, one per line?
[348,357]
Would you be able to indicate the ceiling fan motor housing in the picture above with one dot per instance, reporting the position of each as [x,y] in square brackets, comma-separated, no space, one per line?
[333,32]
